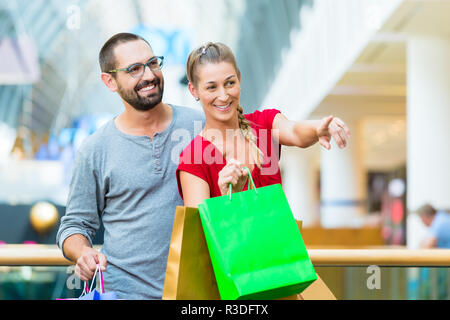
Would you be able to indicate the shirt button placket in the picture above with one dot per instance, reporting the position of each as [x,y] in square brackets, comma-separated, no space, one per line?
[157,153]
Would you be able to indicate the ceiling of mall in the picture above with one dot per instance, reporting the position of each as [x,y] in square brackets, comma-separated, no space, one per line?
[68,37]
[374,88]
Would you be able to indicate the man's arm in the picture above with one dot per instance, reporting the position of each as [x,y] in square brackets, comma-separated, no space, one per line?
[429,242]
[82,220]
[78,249]
[74,245]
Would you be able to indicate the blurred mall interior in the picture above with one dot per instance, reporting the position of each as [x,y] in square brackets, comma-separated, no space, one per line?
[382,66]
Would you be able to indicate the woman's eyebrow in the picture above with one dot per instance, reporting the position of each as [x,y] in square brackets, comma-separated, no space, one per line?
[227,78]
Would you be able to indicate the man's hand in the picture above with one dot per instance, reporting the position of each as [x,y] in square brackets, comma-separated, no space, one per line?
[87,263]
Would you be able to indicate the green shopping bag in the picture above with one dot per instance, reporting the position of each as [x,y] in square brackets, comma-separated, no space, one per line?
[256,249]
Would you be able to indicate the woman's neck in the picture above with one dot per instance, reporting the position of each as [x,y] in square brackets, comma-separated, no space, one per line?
[218,130]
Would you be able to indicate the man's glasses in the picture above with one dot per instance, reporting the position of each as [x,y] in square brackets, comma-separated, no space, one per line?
[137,70]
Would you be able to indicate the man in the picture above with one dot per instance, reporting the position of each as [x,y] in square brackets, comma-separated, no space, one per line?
[438,223]
[124,176]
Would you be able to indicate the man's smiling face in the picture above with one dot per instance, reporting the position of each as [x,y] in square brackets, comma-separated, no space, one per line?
[142,93]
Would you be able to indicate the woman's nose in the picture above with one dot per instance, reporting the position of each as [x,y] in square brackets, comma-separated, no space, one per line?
[223,95]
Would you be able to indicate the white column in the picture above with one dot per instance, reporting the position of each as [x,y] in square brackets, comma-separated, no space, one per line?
[300,183]
[428,127]
[343,183]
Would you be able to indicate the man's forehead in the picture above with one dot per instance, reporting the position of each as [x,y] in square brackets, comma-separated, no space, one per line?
[132,52]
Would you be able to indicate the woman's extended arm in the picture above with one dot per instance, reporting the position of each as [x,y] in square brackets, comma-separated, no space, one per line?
[194,189]
[306,133]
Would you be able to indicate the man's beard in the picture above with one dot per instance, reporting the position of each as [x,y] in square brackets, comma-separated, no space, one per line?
[143,103]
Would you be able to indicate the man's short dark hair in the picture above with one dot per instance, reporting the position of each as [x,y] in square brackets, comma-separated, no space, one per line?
[106,57]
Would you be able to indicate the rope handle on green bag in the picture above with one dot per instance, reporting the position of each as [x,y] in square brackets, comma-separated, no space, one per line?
[250,179]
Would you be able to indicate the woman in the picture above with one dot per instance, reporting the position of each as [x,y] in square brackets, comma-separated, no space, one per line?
[231,141]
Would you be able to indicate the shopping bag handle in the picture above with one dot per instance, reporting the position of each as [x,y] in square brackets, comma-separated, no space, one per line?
[88,289]
[251,183]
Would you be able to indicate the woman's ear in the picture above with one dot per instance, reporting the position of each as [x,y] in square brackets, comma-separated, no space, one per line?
[193,91]
[109,81]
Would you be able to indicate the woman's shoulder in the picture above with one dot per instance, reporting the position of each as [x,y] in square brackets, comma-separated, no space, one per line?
[195,143]
[193,149]
[201,152]
[262,118]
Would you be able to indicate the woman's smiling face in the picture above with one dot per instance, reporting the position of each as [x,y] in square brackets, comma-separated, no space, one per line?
[218,88]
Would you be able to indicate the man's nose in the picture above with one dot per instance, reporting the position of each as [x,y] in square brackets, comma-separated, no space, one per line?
[148,74]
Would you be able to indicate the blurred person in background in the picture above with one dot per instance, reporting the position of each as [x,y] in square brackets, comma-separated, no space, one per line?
[124,176]
[438,236]
[438,223]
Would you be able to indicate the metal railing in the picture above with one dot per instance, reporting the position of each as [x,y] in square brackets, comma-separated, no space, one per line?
[42,272]
[44,255]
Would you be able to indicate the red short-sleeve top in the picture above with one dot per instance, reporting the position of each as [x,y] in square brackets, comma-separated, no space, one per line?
[202,159]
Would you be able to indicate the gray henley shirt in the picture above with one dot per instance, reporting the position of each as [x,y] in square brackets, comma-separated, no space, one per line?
[129,183]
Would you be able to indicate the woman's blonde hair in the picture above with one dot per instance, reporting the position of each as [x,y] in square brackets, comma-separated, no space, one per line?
[216,52]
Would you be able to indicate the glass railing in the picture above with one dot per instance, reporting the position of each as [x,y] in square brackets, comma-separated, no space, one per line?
[35,272]
[38,283]
[387,283]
